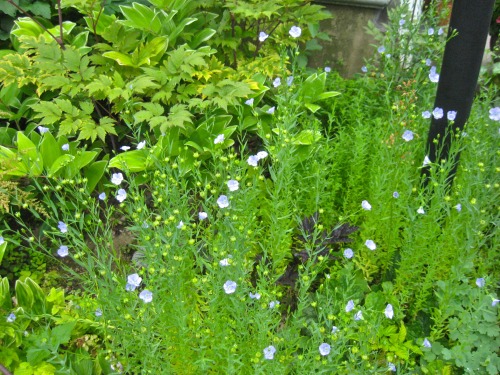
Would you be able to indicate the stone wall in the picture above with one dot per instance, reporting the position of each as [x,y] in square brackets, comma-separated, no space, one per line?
[350,44]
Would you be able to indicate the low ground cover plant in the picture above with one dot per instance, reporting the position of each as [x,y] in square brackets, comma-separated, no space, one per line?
[286,230]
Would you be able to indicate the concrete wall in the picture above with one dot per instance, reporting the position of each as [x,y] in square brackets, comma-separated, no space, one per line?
[350,44]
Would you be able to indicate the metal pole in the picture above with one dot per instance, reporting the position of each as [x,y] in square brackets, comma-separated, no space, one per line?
[459,73]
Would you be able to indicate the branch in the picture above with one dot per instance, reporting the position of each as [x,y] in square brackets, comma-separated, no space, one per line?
[37,22]
[59,12]
[3,370]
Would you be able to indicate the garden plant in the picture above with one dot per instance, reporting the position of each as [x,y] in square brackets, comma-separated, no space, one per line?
[182,193]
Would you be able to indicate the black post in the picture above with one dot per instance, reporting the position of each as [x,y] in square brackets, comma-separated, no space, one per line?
[459,73]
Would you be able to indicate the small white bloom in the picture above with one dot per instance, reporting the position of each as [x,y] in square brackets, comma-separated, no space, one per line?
[395,195]
[335,329]
[389,311]
[224,262]
[63,251]
[62,227]
[366,206]
[289,80]
[407,135]
[254,296]
[451,115]
[223,202]
[202,215]
[11,318]
[277,82]
[433,76]
[349,306]
[273,304]
[180,225]
[391,367]
[324,349]
[2,241]
[480,282]
[370,244]
[146,296]
[141,145]
[381,49]
[263,36]
[495,302]
[438,113]
[102,196]
[249,102]
[427,343]
[43,129]
[426,162]
[261,155]
[458,207]
[98,312]
[358,315]
[430,31]
[328,69]
[253,160]
[440,31]
[233,185]
[134,280]
[426,114]
[121,195]
[348,253]
[116,178]
[295,31]
[271,110]
[125,148]
[428,62]
[269,352]
[219,139]
[364,69]
[65,147]
[230,287]
[402,22]
[421,210]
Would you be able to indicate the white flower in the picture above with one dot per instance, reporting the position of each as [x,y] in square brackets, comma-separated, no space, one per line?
[426,162]
[395,195]
[219,139]
[364,69]
[349,306]
[289,80]
[125,148]
[428,62]
[102,196]
[277,82]
[494,114]
[328,69]
[121,195]
[458,207]
[389,312]
[253,160]
[324,349]
[430,31]
[381,49]
[451,115]
[335,329]
[427,343]
[180,225]
[202,215]
[295,31]
[370,244]
[407,135]
[366,206]
[273,304]
[433,76]
[65,147]
[223,202]
[261,155]
[43,129]
[262,36]
[116,178]
[358,315]
[63,251]
[2,241]
[391,367]
[348,253]
[11,318]
[480,282]
[269,352]
[249,102]
[271,110]
[62,227]
[438,113]
[426,114]
[146,296]
[98,312]
[233,185]
[224,262]
[141,145]
[230,287]
[440,31]
[134,280]
[421,210]
[495,302]
[254,296]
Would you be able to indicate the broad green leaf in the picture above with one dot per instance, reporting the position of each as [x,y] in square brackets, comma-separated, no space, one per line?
[79,161]
[59,163]
[31,158]
[5,297]
[119,57]
[201,37]
[9,163]
[24,295]
[94,173]
[38,296]
[133,161]
[141,17]
[307,137]
[49,149]
[3,248]
[62,334]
